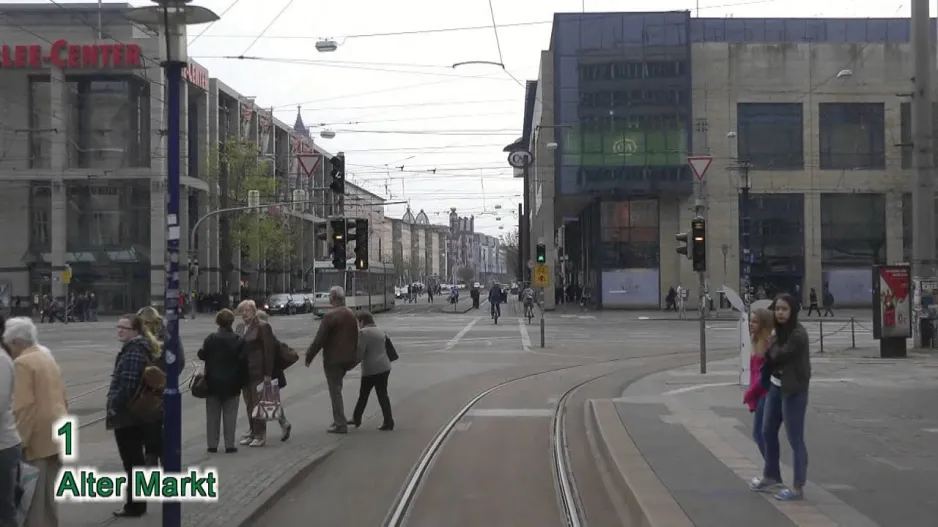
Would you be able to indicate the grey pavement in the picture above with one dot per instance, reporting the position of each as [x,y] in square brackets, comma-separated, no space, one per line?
[873,443]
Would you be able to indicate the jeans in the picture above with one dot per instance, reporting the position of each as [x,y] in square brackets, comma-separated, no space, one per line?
[9,469]
[496,307]
[791,410]
[757,418]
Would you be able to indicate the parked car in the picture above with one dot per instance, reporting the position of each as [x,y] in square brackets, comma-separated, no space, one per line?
[283,304]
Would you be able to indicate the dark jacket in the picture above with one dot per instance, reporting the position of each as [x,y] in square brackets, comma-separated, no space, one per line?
[225,367]
[789,359]
[260,349]
[126,380]
[337,338]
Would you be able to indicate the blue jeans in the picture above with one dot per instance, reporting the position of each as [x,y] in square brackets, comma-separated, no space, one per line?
[757,418]
[9,469]
[791,410]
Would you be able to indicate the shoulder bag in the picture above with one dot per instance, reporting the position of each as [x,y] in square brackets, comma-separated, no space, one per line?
[147,404]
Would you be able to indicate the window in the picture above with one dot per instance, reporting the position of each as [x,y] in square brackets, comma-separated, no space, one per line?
[107,216]
[40,206]
[853,229]
[40,122]
[771,135]
[109,124]
[905,133]
[629,234]
[852,136]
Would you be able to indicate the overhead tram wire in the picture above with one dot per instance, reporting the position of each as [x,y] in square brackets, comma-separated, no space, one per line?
[268,26]
[212,23]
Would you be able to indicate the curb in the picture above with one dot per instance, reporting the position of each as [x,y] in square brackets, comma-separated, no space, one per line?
[272,494]
[649,502]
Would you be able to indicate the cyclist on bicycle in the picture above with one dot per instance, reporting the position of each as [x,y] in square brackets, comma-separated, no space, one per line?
[495,299]
[527,297]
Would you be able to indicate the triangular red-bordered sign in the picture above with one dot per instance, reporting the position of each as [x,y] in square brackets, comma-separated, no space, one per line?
[309,163]
[699,164]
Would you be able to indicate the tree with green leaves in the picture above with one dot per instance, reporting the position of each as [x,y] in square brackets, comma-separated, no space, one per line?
[236,168]
[512,251]
[467,274]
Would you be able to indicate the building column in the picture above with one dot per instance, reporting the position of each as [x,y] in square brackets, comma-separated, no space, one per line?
[58,221]
[895,252]
[207,240]
[813,272]
[157,193]
[184,240]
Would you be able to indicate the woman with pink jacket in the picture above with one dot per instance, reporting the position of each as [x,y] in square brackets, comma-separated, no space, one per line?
[761,325]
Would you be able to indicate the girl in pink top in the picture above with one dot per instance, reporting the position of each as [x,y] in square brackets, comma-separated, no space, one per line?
[761,324]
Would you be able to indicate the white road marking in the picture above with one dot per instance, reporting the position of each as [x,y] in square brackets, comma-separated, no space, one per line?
[525,338]
[930,430]
[462,333]
[699,387]
[462,426]
[510,412]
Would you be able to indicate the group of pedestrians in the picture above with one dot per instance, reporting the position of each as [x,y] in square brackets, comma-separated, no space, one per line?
[780,373]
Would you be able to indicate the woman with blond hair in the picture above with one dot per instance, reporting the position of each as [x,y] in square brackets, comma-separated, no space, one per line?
[260,350]
[156,328]
[761,325]
[285,427]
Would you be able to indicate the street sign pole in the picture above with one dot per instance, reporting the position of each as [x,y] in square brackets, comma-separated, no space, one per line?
[699,165]
[66,280]
[541,282]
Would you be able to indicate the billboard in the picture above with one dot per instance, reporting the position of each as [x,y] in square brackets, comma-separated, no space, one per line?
[630,147]
[892,301]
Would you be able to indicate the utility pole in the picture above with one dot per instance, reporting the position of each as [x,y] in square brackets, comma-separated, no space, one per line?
[923,182]
[700,210]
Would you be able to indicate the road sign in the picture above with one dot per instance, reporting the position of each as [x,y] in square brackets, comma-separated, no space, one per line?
[541,275]
[530,264]
[309,162]
[520,159]
[67,275]
[699,164]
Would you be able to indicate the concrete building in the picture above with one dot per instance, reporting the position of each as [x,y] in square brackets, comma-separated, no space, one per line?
[83,164]
[816,108]
[417,248]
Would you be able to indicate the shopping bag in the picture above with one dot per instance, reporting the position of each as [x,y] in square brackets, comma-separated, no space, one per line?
[268,404]
[28,476]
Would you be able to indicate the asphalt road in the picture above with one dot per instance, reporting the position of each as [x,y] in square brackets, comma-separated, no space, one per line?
[446,359]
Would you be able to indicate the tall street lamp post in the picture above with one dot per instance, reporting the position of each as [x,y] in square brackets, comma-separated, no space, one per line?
[173,16]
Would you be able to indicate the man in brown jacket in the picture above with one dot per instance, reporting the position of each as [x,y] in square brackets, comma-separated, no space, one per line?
[338,339]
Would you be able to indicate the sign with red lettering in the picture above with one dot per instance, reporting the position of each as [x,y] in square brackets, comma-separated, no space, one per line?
[196,75]
[65,55]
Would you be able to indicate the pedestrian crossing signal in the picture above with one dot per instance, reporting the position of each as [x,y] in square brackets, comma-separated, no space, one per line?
[541,253]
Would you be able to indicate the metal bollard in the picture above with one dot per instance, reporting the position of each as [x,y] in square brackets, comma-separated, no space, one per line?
[542,327]
[853,335]
[821,324]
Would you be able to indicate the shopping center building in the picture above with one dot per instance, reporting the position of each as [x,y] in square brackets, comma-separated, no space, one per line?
[816,111]
[83,144]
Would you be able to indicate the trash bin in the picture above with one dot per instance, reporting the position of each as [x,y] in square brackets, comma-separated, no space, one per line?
[927,331]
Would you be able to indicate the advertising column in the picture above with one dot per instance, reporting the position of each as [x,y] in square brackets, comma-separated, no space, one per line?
[892,309]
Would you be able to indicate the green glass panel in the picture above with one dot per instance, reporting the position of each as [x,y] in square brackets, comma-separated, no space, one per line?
[631,147]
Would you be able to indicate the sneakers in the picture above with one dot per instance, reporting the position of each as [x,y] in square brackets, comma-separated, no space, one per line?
[790,494]
[258,443]
[763,484]
[246,440]
[287,428]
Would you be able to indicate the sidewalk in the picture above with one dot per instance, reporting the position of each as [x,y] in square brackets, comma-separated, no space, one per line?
[871,439]
[861,316]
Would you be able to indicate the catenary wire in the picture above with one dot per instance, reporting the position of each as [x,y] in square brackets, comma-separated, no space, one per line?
[268,26]
[212,23]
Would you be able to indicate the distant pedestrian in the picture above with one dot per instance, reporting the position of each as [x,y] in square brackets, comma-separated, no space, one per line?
[337,338]
[787,375]
[761,324]
[812,302]
[38,402]
[225,375]
[828,301]
[376,368]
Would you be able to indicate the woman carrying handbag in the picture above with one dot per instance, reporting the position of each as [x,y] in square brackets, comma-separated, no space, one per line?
[376,353]
[220,384]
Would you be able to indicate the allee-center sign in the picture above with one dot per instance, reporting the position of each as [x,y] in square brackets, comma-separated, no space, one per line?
[65,55]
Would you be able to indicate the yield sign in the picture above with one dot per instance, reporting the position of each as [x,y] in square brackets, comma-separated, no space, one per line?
[699,164]
[309,163]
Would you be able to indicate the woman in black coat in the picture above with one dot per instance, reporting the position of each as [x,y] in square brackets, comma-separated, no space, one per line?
[225,375]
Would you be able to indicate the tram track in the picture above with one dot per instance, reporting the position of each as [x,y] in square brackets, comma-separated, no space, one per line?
[565,483]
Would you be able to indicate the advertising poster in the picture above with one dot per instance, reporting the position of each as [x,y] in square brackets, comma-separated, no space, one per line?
[892,301]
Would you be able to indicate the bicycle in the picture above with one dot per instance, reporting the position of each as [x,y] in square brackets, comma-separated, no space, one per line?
[529,311]
[496,312]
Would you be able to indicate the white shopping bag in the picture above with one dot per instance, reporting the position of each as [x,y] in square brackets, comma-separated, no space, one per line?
[268,405]
[25,488]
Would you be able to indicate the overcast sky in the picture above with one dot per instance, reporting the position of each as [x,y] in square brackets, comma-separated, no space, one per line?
[395,100]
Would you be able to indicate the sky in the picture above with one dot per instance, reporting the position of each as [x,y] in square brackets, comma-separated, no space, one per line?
[395,100]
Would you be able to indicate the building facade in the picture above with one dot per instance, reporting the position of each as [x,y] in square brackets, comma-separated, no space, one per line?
[83,166]
[417,248]
[812,114]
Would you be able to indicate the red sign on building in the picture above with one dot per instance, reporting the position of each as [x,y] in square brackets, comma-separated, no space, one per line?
[65,55]
[196,75]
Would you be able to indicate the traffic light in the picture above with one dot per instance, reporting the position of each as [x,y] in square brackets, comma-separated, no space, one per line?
[683,238]
[338,243]
[338,174]
[699,244]
[541,253]
[322,231]
[361,244]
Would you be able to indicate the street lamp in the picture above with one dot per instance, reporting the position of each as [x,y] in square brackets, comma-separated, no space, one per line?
[174,16]
[326,45]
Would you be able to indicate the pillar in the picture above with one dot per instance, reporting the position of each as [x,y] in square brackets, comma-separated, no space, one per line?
[157,192]
[813,271]
[58,221]
[894,229]
[207,240]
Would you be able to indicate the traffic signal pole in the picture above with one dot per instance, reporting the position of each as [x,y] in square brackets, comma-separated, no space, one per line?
[701,283]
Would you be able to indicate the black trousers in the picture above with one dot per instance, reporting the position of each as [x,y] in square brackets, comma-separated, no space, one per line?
[153,445]
[130,443]
[379,383]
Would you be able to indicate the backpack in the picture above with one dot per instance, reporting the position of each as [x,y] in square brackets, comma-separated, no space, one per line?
[147,403]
